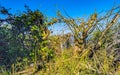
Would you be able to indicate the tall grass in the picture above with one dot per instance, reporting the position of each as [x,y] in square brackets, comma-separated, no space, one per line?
[69,64]
[3,71]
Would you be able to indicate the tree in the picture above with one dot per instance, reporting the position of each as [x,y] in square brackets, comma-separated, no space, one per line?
[82,30]
[29,34]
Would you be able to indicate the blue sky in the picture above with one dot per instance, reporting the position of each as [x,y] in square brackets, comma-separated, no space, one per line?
[75,8]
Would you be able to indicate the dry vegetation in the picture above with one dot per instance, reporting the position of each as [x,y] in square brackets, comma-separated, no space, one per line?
[95,50]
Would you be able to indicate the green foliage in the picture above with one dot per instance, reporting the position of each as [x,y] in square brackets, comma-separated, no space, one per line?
[25,40]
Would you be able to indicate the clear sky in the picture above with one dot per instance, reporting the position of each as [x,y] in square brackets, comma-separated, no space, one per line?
[75,8]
